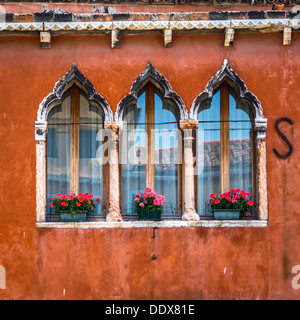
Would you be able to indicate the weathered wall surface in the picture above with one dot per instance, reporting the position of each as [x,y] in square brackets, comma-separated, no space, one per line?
[201,263]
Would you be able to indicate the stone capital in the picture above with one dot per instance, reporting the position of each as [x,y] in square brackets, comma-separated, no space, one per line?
[260,126]
[188,124]
[40,131]
[113,125]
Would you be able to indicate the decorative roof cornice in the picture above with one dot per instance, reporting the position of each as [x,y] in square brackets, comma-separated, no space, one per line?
[175,21]
[227,22]
[152,25]
[173,2]
[118,18]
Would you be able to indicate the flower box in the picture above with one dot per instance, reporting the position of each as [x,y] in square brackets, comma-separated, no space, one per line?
[149,205]
[67,216]
[150,215]
[74,207]
[230,205]
[227,214]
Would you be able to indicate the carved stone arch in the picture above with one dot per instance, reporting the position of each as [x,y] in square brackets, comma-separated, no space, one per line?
[74,75]
[228,74]
[158,80]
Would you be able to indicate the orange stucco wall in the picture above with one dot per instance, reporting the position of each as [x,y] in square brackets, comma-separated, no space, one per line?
[201,263]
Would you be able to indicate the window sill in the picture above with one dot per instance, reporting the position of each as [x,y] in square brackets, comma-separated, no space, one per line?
[152,224]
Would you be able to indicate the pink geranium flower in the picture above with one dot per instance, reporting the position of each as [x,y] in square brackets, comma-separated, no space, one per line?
[235,199]
[152,194]
[148,189]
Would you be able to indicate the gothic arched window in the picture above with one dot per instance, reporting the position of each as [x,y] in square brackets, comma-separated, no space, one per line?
[231,142]
[225,146]
[68,139]
[150,149]
[72,145]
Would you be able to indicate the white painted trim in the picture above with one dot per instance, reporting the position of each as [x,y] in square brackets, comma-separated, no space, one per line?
[141,25]
[78,26]
[254,24]
[21,26]
[259,23]
[153,224]
[200,24]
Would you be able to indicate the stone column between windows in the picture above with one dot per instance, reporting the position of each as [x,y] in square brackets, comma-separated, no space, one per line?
[114,212]
[40,139]
[189,208]
[260,127]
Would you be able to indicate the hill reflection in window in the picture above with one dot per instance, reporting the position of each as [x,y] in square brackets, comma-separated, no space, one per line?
[149,149]
[224,147]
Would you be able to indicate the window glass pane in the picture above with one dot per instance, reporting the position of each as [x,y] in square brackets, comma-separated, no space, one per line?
[58,149]
[208,153]
[133,153]
[90,168]
[240,145]
[166,153]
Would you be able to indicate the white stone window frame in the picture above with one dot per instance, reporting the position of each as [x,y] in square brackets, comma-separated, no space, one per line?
[260,126]
[188,122]
[74,75]
[150,74]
